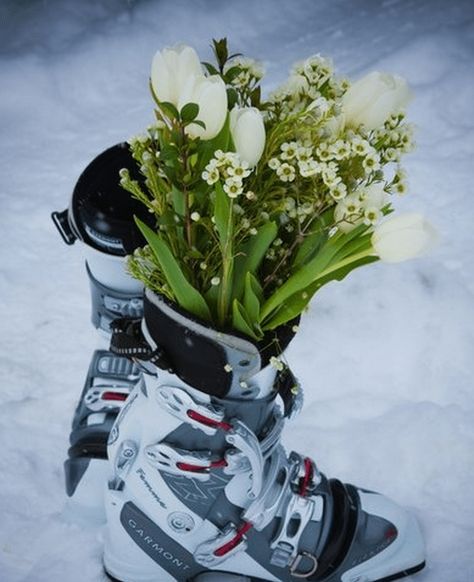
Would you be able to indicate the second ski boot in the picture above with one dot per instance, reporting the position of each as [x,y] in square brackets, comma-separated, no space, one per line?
[100,215]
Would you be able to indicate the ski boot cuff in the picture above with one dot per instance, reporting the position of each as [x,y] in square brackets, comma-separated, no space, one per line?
[217,362]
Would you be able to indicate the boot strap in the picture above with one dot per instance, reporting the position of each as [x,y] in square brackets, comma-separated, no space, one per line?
[127,340]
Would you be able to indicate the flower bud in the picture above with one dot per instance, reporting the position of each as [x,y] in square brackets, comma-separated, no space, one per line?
[211,96]
[371,100]
[170,70]
[248,133]
[403,237]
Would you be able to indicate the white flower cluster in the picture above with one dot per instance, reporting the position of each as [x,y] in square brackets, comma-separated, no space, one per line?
[228,167]
[362,206]
[308,81]
[251,71]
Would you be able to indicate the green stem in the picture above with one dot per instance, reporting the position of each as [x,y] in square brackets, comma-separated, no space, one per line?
[227,268]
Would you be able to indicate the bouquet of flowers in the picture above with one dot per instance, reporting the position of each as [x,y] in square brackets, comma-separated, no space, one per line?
[258,203]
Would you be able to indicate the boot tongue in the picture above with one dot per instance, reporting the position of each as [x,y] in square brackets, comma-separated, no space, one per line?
[215,362]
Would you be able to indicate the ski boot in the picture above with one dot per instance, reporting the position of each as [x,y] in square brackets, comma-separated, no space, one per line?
[101,216]
[200,488]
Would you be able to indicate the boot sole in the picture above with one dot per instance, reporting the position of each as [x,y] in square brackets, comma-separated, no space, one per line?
[391,578]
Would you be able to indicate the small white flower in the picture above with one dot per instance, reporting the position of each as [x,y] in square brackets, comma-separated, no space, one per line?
[360,147]
[233,187]
[253,231]
[250,195]
[210,176]
[372,215]
[274,163]
[215,281]
[288,150]
[371,163]
[195,216]
[309,168]
[286,173]
[303,154]
[400,188]
[340,149]
[277,363]
[239,171]
[339,191]
[203,266]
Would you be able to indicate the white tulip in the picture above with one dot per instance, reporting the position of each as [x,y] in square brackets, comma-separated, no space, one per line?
[248,132]
[372,99]
[170,70]
[375,196]
[403,237]
[211,96]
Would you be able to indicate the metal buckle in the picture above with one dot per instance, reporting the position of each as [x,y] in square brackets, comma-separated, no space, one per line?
[96,397]
[296,562]
[301,473]
[181,461]
[237,462]
[132,307]
[123,461]
[287,540]
[227,543]
[243,439]
[263,509]
[178,403]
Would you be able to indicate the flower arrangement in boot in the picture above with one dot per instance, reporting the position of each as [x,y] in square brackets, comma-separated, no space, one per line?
[260,202]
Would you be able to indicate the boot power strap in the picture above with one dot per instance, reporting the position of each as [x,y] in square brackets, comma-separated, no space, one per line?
[127,340]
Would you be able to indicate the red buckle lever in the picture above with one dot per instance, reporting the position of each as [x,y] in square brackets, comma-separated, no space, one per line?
[208,421]
[230,545]
[111,395]
[201,469]
[308,476]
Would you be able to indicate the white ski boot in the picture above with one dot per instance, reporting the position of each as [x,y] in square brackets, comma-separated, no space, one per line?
[101,216]
[200,488]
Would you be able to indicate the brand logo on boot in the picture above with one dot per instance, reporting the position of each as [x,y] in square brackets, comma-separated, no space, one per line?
[144,480]
[162,549]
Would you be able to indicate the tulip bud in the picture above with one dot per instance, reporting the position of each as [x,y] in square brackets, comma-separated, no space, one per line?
[170,70]
[248,133]
[211,96]
[403,237]
[371,100]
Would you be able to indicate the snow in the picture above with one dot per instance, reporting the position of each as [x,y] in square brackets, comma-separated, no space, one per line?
[385,356]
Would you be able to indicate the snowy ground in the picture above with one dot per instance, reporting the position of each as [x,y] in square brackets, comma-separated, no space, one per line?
[386,357]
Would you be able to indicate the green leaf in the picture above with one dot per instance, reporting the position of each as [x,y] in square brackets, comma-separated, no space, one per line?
[250,255]
[252,292]
[169,155]
[232,97]
[200,123]
[222,215]
[186,295]
[315,239]
[232,73]
[301,278]
[211,69]
[207,148]
[256,97]
[310,246]
[240,320]
[178,199]
[296,304]
[168,109]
